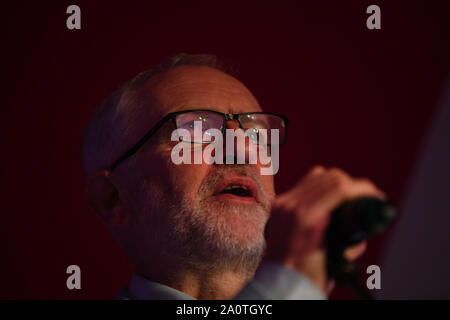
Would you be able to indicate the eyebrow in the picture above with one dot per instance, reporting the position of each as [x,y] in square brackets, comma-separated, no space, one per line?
[210,107]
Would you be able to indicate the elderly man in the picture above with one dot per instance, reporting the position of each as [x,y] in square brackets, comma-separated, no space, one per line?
[203,230]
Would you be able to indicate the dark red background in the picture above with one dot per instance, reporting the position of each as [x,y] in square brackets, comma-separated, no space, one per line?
[356,98]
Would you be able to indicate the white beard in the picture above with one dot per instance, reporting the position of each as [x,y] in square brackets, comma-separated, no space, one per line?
[208,234]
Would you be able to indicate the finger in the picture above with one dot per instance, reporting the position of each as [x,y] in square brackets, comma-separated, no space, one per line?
[306,182]
[380,193]
[330,286]
[316,170]
[335,192]
[317,183]
[354,252]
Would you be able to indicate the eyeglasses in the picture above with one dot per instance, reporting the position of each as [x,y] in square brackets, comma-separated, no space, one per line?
[214,120]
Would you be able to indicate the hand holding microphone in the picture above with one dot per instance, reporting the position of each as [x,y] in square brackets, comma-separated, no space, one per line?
[296,232]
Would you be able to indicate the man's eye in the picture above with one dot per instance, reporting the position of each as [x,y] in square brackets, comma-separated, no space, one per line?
[259,126]
[205,125]
[255,130]
[189,125]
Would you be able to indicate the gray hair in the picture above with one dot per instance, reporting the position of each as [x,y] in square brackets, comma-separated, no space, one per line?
[112,121]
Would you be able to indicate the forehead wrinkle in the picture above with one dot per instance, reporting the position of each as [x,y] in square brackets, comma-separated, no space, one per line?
[202,87]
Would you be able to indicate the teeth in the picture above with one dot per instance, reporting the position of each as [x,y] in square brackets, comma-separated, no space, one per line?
[234,187]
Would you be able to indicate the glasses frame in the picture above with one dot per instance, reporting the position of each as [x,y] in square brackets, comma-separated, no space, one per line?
[172,116]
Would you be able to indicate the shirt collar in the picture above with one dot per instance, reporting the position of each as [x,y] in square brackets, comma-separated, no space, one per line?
[144,289]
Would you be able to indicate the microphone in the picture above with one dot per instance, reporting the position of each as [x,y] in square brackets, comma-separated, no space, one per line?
[352,222]
[357,220]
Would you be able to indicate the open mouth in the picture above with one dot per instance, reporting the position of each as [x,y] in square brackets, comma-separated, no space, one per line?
[240,191]
[237,189]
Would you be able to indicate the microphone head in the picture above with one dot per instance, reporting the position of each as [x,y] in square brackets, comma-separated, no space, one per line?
[357,220]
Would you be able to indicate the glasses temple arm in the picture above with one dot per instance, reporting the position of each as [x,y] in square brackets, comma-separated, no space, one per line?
[140,143]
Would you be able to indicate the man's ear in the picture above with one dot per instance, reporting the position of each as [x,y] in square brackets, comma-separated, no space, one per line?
[104,198]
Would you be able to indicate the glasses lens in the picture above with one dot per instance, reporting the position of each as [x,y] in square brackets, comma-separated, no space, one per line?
[207,120]
[263,126]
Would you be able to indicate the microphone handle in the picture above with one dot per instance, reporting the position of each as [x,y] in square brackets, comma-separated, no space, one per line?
[351,223]
[358,219]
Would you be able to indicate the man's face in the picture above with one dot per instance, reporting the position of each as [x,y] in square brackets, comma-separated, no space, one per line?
[184,208]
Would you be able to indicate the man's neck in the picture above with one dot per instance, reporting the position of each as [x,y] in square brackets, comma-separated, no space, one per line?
[218,286]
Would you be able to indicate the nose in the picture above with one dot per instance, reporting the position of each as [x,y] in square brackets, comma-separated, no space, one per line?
[232,124]
[238,149]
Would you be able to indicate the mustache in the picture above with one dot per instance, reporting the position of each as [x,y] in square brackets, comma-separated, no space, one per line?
[218,175]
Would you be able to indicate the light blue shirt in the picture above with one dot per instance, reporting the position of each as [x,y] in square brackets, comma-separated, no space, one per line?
[272,281]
